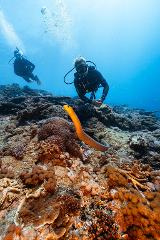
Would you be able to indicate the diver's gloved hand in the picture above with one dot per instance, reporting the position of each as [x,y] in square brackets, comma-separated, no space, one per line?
[97,103]
[37,80]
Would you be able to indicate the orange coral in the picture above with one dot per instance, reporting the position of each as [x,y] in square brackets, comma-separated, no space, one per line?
[37,176]
[138,214]
[12,231]
[120,177]
[55,210]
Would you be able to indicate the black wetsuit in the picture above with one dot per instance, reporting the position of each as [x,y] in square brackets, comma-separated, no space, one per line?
[90,83]
[24,68]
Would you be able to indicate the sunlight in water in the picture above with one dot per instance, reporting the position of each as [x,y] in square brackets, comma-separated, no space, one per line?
[58,24]
[9,33]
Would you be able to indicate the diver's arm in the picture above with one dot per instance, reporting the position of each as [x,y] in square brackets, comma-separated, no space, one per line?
[81,94]
[105,89]
[105,86]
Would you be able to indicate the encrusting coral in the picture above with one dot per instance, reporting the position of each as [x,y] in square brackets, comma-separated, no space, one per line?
[56,210]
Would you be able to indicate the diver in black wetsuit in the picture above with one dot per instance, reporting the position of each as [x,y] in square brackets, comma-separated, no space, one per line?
[24,68]
[88,79]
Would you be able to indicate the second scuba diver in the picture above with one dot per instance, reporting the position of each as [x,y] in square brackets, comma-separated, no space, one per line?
[24,68]
[87,80]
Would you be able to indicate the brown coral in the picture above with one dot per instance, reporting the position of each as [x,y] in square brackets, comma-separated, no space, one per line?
[18,151]
[6,173]
[55,210]
[37,176]
[57,126]
[57,137]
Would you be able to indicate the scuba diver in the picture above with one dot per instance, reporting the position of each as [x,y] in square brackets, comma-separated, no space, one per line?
[24,68]
[87,80]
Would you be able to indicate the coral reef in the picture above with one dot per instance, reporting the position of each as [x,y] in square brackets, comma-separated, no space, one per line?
[103,224]
[37,176]
[56,210]
[57,137]
[138,214]
[53,186]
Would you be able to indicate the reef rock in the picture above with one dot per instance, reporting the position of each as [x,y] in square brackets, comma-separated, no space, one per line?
[53,186]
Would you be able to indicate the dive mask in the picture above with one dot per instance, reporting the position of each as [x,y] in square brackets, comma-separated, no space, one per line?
[82,69]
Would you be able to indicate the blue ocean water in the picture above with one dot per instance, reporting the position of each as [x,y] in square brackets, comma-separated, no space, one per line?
[121,36]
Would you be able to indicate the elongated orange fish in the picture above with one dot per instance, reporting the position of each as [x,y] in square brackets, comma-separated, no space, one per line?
[81,134]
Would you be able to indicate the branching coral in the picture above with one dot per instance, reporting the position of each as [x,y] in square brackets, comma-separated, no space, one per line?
[103,227]
[99,221]
[120,177]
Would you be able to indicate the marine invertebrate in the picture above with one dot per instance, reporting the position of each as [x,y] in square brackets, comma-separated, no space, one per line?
[39,175]
[56,138]
[13,232]
[18,151]
[120,177]
[103,226]
[8,192]
[6,173]
[81,134]
[56,126]
[55,211]
[138,215]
